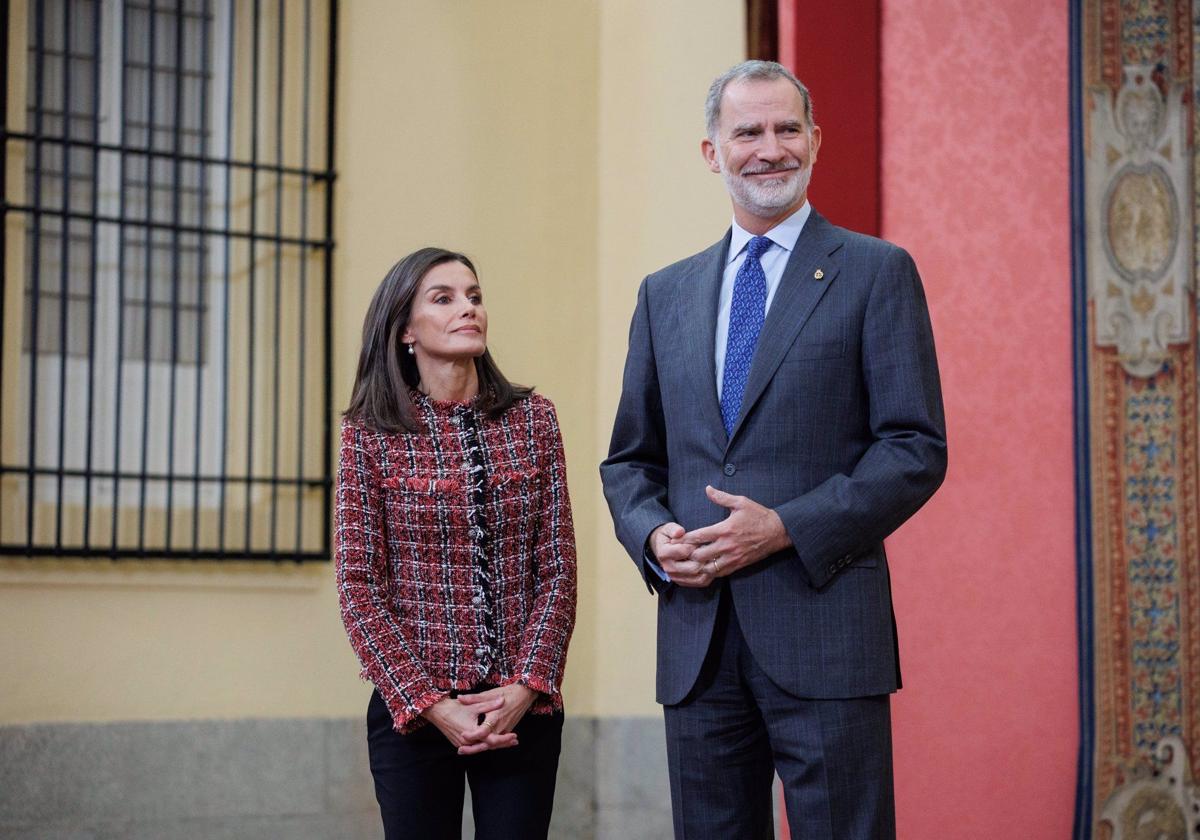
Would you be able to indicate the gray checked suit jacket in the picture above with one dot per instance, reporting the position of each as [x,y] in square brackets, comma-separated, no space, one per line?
[841,432]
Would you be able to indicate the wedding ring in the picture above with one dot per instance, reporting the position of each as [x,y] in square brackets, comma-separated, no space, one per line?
[488,724]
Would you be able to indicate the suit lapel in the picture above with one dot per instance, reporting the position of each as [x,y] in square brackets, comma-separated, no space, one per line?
[698,296]
[797,295]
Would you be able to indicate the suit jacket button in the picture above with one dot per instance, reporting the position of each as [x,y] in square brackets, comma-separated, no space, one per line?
[730,469]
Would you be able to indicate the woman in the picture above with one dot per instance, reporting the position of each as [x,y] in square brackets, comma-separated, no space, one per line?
[455,562]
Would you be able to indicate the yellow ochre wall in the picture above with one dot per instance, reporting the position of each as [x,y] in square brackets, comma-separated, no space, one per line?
[558,144]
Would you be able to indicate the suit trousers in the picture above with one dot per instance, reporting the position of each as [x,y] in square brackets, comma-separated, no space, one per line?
[419,780]
[736,728]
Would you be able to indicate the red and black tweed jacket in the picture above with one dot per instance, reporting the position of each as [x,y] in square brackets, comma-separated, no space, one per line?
[455,554]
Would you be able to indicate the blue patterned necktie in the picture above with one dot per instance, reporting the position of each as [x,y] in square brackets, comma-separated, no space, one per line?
[745,322]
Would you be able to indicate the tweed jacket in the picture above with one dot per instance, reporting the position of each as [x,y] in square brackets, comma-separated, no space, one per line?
[455,554]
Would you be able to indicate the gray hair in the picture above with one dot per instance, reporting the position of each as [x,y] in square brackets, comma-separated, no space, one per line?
[765,71]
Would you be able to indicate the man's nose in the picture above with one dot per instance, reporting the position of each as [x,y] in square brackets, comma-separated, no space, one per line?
[771,148]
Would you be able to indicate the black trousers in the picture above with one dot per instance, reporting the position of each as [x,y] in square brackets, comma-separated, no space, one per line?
[419,780]
[737,727]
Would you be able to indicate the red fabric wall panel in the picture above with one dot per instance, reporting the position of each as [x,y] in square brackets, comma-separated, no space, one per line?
[834,49]
[973,168]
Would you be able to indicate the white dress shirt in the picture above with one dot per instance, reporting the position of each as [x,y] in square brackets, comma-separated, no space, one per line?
[774,259]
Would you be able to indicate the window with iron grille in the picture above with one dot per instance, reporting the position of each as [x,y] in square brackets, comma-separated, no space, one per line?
[167,222]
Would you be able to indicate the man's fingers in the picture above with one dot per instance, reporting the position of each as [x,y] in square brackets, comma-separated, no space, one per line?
[703,535]
[674,551]
[691,574]
[678,566]
[720,497]
[672,530]
[706,554]
[696,582]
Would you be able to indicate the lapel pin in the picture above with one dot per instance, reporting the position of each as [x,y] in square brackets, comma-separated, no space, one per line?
[818,274]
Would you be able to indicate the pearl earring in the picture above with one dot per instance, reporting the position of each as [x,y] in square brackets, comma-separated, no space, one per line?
[411,351]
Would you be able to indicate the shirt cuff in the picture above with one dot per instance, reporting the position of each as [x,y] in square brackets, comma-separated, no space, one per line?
[652,564]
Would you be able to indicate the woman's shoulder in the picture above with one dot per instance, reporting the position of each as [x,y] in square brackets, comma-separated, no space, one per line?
[539,403]
[537,407]
[361,430]
[357,428]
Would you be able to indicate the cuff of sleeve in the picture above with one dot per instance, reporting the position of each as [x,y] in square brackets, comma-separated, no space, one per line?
[537,683]
[652,573]
[407,717]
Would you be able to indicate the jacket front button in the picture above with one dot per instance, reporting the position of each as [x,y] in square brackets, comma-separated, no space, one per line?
[476,600]
[480,652]
[730,469]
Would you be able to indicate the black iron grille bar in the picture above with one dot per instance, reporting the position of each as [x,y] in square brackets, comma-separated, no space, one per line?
[202,262]
[281,33]
[88,552]
[142,151]
[147,278]
[35,267]
[92,262]
[303,302]
[224,451]
[145,7]
[162,477]
[327,315]
[158,344]
[176,212]
[119,371]
[4,24]
[256,29]
[167,227]
[64,303]
[167,68]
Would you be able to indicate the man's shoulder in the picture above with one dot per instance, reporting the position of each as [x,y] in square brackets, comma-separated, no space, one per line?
[860,243]
[855,240]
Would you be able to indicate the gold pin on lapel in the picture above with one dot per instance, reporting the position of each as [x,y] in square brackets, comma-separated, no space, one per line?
[818,274]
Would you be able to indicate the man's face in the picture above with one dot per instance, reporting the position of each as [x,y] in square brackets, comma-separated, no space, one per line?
[764,149]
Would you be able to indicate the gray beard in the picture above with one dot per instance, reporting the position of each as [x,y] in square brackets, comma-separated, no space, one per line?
[767,199]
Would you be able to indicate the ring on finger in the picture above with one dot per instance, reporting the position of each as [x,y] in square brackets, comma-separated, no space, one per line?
[488,724]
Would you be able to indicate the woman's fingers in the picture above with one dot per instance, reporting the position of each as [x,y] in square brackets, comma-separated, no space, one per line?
[484,702]
[492,742]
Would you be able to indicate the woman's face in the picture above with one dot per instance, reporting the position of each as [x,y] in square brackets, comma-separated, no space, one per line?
[448,321]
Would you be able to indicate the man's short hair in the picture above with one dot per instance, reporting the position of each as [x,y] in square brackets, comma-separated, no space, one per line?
[750,71]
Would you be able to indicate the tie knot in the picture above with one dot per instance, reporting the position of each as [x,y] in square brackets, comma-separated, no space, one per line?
[757,247]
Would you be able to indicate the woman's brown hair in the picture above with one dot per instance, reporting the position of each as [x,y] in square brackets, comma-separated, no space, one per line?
[386,372]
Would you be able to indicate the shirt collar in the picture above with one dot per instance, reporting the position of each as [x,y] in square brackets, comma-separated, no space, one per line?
[783,234]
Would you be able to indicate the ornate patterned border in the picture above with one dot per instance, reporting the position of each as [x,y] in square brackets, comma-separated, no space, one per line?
[1137,434]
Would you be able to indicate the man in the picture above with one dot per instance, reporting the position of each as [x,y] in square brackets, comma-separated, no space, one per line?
[780,416]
